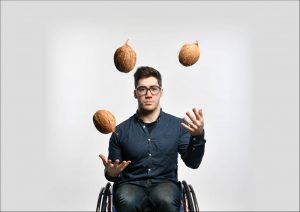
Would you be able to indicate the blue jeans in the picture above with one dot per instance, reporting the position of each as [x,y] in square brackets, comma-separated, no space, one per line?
[157,197]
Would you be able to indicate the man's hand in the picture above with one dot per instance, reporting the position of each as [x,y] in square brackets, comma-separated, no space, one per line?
[114,169]
[194,124]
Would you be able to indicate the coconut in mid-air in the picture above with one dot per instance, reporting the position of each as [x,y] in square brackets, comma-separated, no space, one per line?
[125,58]
[104,121]
[189,54]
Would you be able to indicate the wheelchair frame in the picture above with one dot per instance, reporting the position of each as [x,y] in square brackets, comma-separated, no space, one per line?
[188,201]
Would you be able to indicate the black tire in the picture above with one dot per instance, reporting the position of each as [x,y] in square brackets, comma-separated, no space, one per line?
[194,198]
[110,199]
[183,206]
[100,197]
[188,195]
[107,194]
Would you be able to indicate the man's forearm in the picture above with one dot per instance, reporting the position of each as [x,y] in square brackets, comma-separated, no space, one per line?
[195,152]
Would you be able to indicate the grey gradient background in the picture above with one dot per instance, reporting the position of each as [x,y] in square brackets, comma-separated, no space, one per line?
[57,70]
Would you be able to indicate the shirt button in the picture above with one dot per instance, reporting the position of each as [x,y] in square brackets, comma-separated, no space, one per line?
[144,126]
[194,139]
[193,148]
[149,154]
[149,170]
[149,139]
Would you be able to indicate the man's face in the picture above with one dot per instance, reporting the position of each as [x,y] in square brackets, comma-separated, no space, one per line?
[148,94]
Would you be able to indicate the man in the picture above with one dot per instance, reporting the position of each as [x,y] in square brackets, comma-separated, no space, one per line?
[143,151]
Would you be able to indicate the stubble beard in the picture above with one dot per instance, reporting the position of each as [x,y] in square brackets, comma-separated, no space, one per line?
[145,111]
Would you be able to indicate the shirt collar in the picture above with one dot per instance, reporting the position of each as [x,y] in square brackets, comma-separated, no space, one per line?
[137,116]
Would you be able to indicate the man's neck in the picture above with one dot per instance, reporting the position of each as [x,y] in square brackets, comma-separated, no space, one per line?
[149,116]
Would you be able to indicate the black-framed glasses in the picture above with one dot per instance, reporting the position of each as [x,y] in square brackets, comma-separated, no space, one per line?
[142,90]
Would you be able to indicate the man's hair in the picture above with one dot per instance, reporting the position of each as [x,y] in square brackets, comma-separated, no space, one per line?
[145,72]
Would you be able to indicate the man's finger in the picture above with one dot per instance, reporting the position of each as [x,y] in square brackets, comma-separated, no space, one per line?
[189,123]
[197,113]
[186,126]
[116,163]
[103,158]
[201,113]
[191,116]
[123,165]
[110,164]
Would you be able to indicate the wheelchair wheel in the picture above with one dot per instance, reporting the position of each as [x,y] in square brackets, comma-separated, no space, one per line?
[107,203]
[189,196]
[104,203]
[100,197]
[194,198]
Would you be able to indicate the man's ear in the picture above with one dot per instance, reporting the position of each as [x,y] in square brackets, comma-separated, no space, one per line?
[134,93]
[161,92]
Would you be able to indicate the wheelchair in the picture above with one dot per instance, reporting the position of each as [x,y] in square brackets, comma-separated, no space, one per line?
[188,199]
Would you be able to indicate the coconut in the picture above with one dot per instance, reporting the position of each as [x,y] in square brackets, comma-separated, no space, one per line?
[104,121]
[189,54]
[125,58]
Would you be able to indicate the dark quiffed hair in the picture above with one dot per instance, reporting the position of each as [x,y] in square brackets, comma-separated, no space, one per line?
[145,72]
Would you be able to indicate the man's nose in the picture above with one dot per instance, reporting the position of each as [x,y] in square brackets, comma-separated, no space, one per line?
[148,93]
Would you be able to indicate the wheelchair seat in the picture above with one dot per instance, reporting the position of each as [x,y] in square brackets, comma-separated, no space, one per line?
[188,199]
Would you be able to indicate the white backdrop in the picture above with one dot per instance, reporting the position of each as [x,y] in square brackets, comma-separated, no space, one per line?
[57,70]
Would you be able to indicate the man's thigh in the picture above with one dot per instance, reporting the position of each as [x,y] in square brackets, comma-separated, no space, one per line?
[167,192]
[129,194]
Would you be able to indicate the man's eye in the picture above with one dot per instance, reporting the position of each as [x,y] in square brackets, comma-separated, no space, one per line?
[154,88]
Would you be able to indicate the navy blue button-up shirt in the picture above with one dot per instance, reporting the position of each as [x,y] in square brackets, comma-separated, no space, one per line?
[154,155]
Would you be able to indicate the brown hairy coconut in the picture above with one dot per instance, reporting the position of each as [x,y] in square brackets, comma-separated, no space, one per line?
[125,58]
[104,121]
[189,54]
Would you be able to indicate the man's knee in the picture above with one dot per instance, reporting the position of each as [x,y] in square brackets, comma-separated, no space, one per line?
[127,203]
[167,203]
[166,197]
[128,198]
[167,191]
